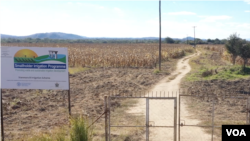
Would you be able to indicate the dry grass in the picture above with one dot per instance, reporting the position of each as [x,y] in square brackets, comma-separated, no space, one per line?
[224,53]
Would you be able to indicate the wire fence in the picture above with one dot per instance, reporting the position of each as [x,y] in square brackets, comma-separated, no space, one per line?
[209,111]
[26,112]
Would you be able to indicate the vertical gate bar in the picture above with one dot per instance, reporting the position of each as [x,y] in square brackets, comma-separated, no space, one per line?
[175,118]
[179,129]
[147,119]
[213,121]
[106,117]
[2,127]
[109,114]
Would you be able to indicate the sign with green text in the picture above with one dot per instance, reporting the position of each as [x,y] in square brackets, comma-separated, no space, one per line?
[34,68]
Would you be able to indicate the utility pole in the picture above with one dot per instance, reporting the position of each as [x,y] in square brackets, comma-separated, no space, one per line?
[159,35]
[194,35]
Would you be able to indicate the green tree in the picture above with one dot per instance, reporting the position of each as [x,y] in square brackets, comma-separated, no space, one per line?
[177,41]
[169,40]
[232,44]
[244,51]
[217,41]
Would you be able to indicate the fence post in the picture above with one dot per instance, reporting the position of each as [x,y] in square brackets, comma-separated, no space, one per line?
[248,111]
[179,118]
[69,107]
[147,119]
[175,119]
[213,121]
[2,128]
[106,117]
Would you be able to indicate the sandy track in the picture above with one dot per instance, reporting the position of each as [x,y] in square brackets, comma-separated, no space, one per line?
[161,112]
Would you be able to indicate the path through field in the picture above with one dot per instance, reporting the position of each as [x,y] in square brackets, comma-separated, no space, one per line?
[161,112]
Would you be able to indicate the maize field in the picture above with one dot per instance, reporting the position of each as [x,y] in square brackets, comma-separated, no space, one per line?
[115,55]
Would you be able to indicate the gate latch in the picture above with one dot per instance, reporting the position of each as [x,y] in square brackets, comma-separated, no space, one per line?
[182,123]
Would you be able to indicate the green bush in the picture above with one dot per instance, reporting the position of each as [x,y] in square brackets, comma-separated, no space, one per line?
[79,129]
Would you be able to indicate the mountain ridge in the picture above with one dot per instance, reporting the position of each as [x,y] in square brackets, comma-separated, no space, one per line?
[61,35]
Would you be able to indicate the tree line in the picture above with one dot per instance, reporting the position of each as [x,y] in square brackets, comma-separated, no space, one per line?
[103,40]
[197,41]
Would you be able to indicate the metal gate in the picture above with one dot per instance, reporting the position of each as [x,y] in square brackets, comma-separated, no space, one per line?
[153,122]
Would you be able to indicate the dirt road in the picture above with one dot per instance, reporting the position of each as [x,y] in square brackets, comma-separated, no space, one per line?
[161,112]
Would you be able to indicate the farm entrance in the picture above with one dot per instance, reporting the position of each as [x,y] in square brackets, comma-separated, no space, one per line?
[145,122]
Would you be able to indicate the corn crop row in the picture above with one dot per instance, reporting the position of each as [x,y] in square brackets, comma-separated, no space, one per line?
[115,55]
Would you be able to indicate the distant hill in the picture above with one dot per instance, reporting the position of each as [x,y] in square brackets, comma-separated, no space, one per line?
[4,36]
[51,35]
[56,35]
[60,35]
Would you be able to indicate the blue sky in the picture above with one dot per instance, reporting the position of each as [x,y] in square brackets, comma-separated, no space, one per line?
[214,19]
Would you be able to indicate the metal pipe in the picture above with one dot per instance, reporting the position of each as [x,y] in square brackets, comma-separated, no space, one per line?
[106,118]
[213,121]
[147,119]
[179,129]
[2,127]
[175,119]
[109,114]
[142,126]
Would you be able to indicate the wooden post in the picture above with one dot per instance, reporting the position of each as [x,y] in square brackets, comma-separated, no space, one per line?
[159,35]
[2,129]
[69,98]
[106,117]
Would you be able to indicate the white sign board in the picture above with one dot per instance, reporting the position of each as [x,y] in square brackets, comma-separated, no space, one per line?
[34,68]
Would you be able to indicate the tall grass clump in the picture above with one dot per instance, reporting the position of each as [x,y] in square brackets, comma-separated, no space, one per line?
[79,129]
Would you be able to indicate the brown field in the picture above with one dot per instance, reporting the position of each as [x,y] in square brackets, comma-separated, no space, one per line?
[108,69]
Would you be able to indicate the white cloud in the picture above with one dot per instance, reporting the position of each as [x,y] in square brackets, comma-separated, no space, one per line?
[94,6]
[78,3]
[247,11]
[118,11]
[247,1]
[214,18]
[181,13]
